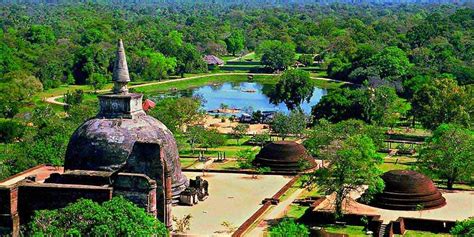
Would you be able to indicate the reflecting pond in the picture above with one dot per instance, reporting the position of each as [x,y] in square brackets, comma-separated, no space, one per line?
[243,95]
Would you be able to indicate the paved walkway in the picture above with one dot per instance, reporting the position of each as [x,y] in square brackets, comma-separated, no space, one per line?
[232,198]
[276,212]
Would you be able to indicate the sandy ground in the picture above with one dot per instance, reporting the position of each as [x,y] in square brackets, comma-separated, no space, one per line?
[226,127]
[233,198]
[459,206]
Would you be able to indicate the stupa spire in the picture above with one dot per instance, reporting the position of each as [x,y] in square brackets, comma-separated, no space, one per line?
[120,75]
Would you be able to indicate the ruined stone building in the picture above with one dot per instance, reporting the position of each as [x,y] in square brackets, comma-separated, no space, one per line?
[121,151]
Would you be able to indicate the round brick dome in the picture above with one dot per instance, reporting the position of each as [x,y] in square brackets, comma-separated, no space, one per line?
[106,144]
[284,156]
[408,190]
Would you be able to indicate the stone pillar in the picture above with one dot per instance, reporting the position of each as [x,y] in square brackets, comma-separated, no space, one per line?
[168,199]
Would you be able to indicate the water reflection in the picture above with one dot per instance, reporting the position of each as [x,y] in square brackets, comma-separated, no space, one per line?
[246,94]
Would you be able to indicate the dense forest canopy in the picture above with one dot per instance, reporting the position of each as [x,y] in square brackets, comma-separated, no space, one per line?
[61,44]
[414,55]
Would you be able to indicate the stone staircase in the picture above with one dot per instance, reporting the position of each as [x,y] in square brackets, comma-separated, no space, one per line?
[383,230]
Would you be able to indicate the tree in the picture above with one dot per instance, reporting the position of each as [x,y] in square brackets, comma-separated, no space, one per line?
[275,54]
[353,162]
[10,131]
[16,89]
[177,113]
[235,42]
[193,135]
[288,227]
[117,217]
[239,131]
[375,105]
[448,154]
[156,66]
[392,63]
[463,228]
[293,88]
[97,81]
[292,124]
[212,138]
[320,137]
[40,34]
[306,59]
[245,158]
[443,101]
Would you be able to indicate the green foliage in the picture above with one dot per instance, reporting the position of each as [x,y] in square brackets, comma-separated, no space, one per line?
[463,228]
[40,34]
[443,101]
[97,81]
[288,227]
[449,154]
[11,131]
[239,131]
[352,162]
[235,42]
[117,217]
[155,66]
[306,59]
[275,54]
[212,138]
[245,158]
[260,139]
[380,105]
[293,88]
[321,136]
[292,124]
[73,98]
[176,113]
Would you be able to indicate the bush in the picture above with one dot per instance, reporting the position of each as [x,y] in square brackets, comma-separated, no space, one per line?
[288,227]
[117,217]
[464,228]
[10,131]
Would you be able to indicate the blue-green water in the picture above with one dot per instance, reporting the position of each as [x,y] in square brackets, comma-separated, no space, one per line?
[247,94]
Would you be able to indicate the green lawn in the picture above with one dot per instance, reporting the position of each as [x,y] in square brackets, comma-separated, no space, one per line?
[413,233]
[185,162]
[296,211]
[348,230]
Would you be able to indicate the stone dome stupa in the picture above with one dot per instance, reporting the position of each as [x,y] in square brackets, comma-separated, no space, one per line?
[408,190]
[284,156]
[108,141]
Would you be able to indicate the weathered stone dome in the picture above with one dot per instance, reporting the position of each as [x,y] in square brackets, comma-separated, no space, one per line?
[106,144]
[284,156]
[408,190]
[123,138]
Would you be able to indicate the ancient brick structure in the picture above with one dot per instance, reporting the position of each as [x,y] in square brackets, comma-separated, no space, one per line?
[121,151]
[19,200]
[408,190]
[285,156]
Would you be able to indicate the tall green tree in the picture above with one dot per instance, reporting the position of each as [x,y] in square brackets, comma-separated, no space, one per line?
[353,162]
[292,124]
[235,42]
[449,154]
[443,101]
[293,88]
[177,113]
[276,55]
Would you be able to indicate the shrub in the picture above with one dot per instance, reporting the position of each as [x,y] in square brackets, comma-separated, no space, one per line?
[117,217]
[464,228]
[288,227]
[10,131]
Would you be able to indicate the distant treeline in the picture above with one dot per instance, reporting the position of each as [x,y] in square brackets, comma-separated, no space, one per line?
[247,3]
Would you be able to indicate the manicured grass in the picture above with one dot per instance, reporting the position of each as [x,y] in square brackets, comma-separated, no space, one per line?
[413,233]
[296,211]
[226,165]
[348,230]
[326,84]
[185,162]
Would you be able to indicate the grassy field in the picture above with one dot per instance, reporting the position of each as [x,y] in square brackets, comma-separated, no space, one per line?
[296,211]
[348,230]
[413,233]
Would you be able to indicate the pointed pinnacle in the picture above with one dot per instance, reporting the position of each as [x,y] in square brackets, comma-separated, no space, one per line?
[120,73]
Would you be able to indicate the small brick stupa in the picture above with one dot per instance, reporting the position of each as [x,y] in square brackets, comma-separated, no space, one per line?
[408,190]
[285,156]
